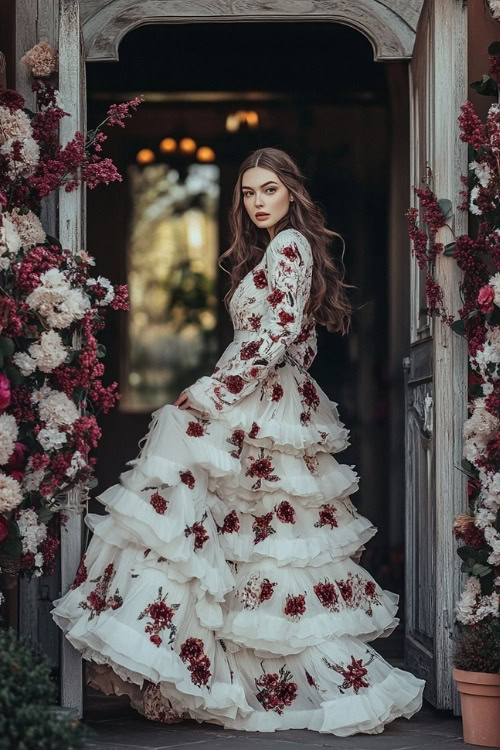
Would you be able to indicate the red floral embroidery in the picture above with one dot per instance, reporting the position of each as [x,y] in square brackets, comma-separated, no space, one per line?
[295,606]
[353,674]
[358,592]
[327,516]
[255,429]
[251,349]
[81,574]
[327,595]
[187,478]
[199,531]
[266,590]
[309,394]
[312,463]
[159,708]
[275,692]
[262,527]
[192,651]
[195,429]
[230,524]
[285,512]
[234,383]
[285,318]
[237,438]
[277,392]
[159,503]
[291,252]
[261,467]
[311,681]
[275,297]
[161,615]
[254,321]
[260,279]
[98,600]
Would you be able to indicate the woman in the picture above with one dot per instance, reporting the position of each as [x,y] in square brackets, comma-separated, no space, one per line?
[223,583]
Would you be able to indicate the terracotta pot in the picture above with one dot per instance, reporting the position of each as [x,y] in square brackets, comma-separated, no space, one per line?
[480,701]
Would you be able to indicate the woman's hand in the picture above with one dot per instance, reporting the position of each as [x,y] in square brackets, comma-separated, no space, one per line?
[182,401]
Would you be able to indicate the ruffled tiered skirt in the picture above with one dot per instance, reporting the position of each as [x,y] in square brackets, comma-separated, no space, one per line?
[224,581]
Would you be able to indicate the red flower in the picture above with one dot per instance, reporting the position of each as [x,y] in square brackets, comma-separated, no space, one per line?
[285,318]
[237,438]
[187,478]
[250,350]
[277,392]
[275,692]
[192,649]
[327,595]
[345,589]
[485,298]
[327,516]
[199,531]
[285,512]
[291,252]
[354,674]
[309,394]
[4,391]
[255,429]
[159,503]
[295,606]
[234,383]
[254,321]
[275,297]
[4,528]
[195,429]
[266,590]
[262,527]
[161,615]
[231,523]
[81,574]
[260,279]
[370,588]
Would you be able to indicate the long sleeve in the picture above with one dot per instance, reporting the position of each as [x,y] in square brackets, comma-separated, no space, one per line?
[305,347]
[289,274]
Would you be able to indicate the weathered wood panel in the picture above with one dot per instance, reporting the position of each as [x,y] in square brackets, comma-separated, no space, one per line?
[389,26]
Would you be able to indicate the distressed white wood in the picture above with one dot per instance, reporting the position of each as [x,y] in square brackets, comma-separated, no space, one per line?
[389,25]
[438,86]
[72,236]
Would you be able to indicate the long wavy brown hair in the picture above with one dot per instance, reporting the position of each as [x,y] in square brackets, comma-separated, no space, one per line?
[328,301]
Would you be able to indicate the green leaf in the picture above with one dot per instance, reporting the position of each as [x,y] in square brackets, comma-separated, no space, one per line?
[14,375]
[93,483]
[446,206]
[494,48]
[101,350]
[466,552]
[475,390]
[480,570]
[449,249]
[13,547]
[45,514]
[78,394]
[7,346]
[471,314]
[486,86]
[459,327]
[468,467]
[49,240]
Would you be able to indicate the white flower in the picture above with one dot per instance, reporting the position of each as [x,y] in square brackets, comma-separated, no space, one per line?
[56,301]
[492,536]
[77,463]
[28,227]
[40,393]
[478,430]
[14,125]
[50,438]
[33,479]
[10,242]
[495,9]
[473,207]
[32,531]
[10,493]
[472,607]
[24,362]
[487,389]
[8,436]
[106,283]
[482,171]
[58,409]
[26,158]
[50,352]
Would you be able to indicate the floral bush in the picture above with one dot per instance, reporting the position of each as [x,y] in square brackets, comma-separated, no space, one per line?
[51,311]
[478,255]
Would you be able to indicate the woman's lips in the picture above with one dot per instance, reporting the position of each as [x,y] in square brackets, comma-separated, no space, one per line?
[261,216]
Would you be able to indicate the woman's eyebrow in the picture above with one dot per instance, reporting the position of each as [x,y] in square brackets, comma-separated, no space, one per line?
[245,187]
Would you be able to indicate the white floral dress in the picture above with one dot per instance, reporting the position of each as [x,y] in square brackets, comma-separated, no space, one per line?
[223,582]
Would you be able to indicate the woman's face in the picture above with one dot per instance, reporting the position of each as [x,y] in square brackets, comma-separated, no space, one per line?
[265,197]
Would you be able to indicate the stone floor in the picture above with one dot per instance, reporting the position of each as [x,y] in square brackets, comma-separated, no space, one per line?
[118,727]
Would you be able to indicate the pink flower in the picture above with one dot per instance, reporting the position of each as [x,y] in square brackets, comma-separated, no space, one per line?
[4,528]
[17,461]
[4,391]
[485,298]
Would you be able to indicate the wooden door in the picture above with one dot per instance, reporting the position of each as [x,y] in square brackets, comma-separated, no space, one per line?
[436,368]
